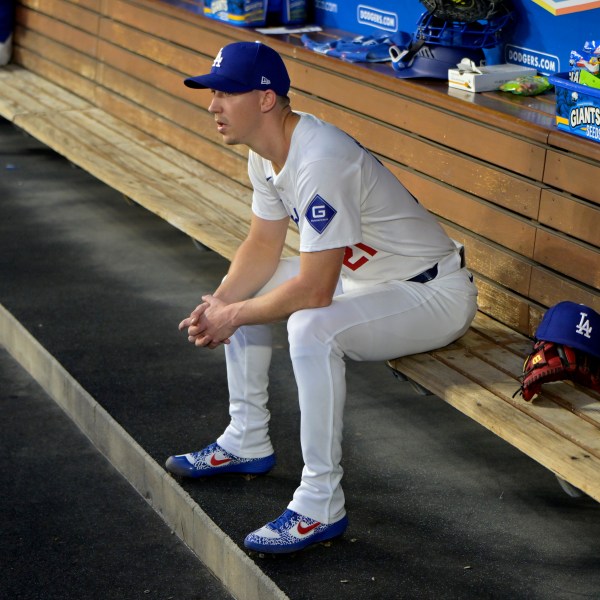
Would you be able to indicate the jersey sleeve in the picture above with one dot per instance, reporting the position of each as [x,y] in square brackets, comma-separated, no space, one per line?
[329,192]
[266,202]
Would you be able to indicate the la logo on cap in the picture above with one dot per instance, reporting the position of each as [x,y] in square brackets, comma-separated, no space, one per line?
[583,327]
[218,59]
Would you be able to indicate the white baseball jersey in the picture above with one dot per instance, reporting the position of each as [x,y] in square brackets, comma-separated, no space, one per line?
[340,195]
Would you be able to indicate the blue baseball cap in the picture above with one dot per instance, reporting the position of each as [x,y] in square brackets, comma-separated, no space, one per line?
[431,60]
[243,67]
[571,324]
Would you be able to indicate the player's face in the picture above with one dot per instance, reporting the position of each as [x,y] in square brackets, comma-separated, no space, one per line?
[236,115]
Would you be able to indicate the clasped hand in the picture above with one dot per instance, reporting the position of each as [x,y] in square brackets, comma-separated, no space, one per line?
[208,324]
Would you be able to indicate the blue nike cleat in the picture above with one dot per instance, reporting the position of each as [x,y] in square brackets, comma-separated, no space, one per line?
[292,532]
[214,460]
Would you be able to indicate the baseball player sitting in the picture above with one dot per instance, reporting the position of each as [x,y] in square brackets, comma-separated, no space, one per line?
[377,278]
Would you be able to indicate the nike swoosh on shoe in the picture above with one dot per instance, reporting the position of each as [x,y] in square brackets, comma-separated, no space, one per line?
[304,530]
[217,462]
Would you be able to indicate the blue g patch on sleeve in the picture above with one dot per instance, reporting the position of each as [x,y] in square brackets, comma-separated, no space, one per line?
[319,214]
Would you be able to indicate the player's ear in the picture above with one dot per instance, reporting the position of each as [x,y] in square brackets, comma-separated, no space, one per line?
[268,100]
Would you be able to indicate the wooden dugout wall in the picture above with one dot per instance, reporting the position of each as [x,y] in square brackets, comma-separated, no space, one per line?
[523,197]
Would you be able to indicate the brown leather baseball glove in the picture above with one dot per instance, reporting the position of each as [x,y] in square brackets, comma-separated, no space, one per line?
[556,362]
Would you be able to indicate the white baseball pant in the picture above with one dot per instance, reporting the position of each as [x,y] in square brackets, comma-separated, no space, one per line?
[375,323]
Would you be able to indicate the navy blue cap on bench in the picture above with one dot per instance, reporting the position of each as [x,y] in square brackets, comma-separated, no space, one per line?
[571,324]
[242,67]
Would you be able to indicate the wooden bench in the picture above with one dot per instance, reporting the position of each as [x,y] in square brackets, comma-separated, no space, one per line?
[520,195]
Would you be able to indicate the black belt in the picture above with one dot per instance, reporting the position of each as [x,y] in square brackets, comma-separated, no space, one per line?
[432,273]
[425,276]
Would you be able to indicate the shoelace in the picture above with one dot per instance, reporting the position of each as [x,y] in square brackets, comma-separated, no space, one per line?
[198,456]
[286,518]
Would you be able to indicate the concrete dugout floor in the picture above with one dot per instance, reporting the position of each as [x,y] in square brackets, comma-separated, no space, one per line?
[438,506]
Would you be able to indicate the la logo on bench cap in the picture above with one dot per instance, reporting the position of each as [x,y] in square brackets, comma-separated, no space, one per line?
[571,324]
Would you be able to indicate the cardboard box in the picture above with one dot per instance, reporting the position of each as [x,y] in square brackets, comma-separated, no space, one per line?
[247,13]
[577,107]
[472,78]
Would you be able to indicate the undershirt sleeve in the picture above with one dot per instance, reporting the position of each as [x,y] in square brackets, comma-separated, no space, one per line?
[266,202]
